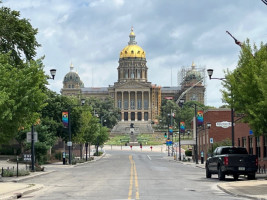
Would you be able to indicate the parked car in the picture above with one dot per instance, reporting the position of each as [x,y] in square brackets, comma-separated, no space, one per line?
[235,161]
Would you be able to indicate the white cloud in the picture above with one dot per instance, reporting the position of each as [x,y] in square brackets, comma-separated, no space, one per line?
[91,33]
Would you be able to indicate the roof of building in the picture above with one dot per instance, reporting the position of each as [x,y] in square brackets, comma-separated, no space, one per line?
[166,89]
[132,50]
[95,90]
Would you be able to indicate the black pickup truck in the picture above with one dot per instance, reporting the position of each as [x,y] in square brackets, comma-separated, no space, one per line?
[235,161]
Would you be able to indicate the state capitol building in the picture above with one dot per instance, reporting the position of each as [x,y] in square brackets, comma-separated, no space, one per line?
[138,99]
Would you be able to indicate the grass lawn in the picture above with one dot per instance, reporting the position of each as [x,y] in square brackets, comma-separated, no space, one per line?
[145,139]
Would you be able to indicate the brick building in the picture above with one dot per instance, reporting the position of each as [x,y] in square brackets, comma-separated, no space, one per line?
[220,129]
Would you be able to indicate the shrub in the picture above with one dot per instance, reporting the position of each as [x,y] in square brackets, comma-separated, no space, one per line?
[99,153]
[58,155]
[188,152]
[11,172]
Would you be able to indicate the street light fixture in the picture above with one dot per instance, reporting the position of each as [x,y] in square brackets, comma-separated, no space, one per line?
[53,74]
[210,72]
[69,142]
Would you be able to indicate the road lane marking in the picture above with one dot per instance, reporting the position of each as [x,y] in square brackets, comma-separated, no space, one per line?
[136,183]
[133,176]
[148,157]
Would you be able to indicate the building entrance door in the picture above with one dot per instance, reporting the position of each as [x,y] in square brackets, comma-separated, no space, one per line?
[126,116]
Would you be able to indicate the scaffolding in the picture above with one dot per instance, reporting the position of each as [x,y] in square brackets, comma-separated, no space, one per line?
[182,75]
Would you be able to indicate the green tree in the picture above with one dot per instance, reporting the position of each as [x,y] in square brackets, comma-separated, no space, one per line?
[246,87]
[22,95]
[17,36]
[101,137]
[88,129]
[104,107]
[168,107]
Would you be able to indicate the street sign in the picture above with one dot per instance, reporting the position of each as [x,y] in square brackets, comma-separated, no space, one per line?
[29,137]
[211,140]
[69,144]
[224,124]
[168,142]
[27,157]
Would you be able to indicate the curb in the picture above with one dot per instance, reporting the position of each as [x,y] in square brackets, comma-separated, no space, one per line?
[237,195]
[31,176]
[18,194]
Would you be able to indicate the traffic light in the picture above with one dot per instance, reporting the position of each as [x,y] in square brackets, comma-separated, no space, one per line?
[165,135]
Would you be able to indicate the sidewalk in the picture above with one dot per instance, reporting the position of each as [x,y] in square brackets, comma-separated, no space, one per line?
[11,188]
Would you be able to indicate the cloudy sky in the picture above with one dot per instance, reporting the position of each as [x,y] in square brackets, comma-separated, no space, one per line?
[174,33]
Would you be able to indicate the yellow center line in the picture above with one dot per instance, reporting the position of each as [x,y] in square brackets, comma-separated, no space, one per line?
[133,175]
[131,180]
[136,183]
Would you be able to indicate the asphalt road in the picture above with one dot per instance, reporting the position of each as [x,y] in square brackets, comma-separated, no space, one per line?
[129,175]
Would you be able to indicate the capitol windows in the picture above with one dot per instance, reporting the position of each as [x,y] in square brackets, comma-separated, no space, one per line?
[139,104]
[125,104]
[119,104]
[146,116]
[125,73]
[132,52]
[146,104]
[139,116]
[138,73]
[132,73]
[132,104]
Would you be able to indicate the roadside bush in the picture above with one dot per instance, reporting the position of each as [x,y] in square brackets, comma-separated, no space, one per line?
[58,155]
[11,172]
[188,152]
[99,153]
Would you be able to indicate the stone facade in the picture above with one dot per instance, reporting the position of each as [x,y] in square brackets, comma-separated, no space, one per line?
[138,99]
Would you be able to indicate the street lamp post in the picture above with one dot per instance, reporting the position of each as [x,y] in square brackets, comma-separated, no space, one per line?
[181,102]
[196,151]
[53,74]
[70,143]
[210,72]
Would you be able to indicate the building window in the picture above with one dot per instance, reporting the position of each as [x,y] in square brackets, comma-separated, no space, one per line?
[138,73]
[125,105]
[132,104]
[126,116]
[194,97]
[250,145]
[244,142]
[239,142]
[258,148]
[146,104]
[132,73]
[265,146]
[139,116]
[139,104]
[146,116]
[119,104]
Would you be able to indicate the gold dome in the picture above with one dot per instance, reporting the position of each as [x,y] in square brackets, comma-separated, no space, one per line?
[132,51]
